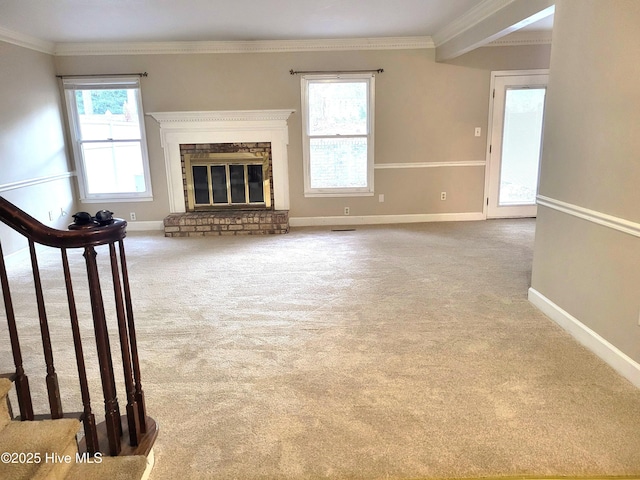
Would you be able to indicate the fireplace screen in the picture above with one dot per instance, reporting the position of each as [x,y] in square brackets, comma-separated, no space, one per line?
[227,179]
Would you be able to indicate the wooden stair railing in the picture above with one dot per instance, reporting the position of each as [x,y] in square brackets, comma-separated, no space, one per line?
[133,433]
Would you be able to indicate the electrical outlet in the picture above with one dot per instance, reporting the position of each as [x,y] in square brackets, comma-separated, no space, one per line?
[347,211]
[381,198]
[443,195]
[132,216]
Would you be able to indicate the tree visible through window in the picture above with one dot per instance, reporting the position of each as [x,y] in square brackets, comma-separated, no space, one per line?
[338,134]
[105,118]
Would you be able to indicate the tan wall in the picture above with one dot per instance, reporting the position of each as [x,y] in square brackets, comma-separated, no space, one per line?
[425,112]
[591,160]
[32,141]
[592,141]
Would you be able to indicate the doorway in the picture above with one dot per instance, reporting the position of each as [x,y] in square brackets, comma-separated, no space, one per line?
[516,116]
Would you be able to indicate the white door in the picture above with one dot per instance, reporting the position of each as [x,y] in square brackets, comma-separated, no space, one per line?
[515,142]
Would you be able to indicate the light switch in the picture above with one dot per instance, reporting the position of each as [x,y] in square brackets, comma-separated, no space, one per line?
[478,131]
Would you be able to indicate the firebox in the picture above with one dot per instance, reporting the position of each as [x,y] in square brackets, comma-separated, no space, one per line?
[227,180]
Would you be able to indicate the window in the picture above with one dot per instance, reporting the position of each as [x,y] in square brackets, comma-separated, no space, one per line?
[109,144]
[338,134]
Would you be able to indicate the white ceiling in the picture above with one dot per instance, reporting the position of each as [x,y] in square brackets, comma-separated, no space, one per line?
[63,21]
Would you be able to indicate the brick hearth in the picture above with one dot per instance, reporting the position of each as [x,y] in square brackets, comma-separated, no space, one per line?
[236,222]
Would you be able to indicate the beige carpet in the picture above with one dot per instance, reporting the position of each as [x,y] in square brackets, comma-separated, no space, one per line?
[396,352]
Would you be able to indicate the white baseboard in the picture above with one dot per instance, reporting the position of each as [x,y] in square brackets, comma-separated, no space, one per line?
[152,225]
[158,225]
[619,361]
[384,219]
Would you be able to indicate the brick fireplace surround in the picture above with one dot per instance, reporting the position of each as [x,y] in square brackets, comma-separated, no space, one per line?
[247,222]
[225,131]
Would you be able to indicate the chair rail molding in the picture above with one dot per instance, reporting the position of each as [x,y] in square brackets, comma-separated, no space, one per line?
[603,219]
[5,187]
[461,163]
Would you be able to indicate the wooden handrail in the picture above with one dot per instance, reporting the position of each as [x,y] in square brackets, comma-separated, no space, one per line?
[31,228]
[140,429]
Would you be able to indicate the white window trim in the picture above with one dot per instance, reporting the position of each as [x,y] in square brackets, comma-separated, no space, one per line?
[337,192]
[70,85]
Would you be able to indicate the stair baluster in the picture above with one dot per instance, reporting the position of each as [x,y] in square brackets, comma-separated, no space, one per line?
[142,415]
[132,407]
[21,381]
[88,418]
[55,404]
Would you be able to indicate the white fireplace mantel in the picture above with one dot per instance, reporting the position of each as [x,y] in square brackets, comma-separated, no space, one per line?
[237,126]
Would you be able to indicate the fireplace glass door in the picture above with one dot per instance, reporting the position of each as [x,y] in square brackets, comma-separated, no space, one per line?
[255,180]
[228,184]
[218,184]
[237,183]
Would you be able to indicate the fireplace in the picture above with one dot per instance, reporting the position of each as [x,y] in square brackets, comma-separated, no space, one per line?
[227,176]
[227,171]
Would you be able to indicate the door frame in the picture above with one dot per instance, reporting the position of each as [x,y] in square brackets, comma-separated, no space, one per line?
[488,163]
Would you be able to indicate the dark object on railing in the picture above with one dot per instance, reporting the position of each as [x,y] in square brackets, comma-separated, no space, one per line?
[104,217]
[81,219]
[86,232]
[85,220]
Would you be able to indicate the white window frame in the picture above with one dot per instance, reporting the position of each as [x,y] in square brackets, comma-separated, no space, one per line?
[369,78]
[71,85]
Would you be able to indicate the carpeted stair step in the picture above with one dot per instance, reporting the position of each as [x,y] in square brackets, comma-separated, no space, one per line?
[36,440]
[5,417]
[110,468]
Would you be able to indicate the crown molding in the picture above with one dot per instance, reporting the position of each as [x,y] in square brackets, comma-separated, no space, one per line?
[26,41]
[523,38]
[257,46]
[480,12]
